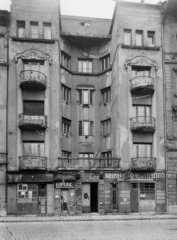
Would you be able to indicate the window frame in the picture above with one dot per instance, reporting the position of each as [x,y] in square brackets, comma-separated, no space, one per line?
[128,31]
[66,126]
[65,60]
[105,62]
[106,127]
[81,99]
[45,26]
[106,95]
[86,62]
[137,154]
[139,33]
[151,34]
[18,24]
[66,154]
[32,35]
[89,131]
[66,93]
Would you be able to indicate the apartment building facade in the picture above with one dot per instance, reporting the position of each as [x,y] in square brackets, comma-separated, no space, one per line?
[86,126]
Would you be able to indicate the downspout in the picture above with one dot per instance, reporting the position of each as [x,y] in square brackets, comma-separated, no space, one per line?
[164,108]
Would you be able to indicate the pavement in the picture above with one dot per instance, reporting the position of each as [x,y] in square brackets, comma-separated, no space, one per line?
[88,217]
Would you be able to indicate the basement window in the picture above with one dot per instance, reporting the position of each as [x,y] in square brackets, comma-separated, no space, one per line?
[85,24]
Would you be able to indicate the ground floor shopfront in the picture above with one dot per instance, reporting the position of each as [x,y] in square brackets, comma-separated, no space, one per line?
[73,193]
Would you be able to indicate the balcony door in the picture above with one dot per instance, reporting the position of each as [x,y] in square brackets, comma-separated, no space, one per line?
[142,113]
[33,108]
[142,150]
[33,149]
[140,72]
[34,70]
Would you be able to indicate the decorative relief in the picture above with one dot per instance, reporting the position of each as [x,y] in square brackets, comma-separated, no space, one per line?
[141,61]
[33,54]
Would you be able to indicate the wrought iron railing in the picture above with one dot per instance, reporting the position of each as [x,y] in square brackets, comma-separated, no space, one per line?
[143,163]
[88,163]
[32,120]
[142,122]
[32,162]
[32,76]
[141,81]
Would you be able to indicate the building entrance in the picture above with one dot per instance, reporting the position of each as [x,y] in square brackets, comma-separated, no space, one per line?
[89,197]
[114,197]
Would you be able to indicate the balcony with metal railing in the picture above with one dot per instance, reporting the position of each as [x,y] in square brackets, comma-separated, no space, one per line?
[142,124]
[32,163]
[88,163]
[32,121]
[142,85]
[143,164]
[33,79]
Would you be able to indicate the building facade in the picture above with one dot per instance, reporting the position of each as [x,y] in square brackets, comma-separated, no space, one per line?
[86,125]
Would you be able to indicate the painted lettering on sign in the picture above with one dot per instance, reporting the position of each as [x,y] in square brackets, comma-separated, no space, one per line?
[90,178]
[114,175]
[64,185]
[156,175]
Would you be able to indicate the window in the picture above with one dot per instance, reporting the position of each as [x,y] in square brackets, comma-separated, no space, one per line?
[34,30]
[106,95]
[106,127]
[143,113]
[85,128]
[27,193]
[66,154]
[21,29]
[85,96]
[66,94]
[139,38]
[105,62]
[151,38]
[34,70]
[85,155]
[33,108]
[107,155]
[127,36]
[65,60]
[142,150]
[47,31]
[84,66]
[147,191]
[140,72]
[66,126]
[33,149]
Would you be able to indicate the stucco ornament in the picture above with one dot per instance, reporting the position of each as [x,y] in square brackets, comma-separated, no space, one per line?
[141,61]
[33,54]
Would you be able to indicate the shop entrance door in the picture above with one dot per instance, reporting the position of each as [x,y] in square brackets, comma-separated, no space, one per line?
[114,197]
[42,198]
[134,197]
[89,197]
[64,200]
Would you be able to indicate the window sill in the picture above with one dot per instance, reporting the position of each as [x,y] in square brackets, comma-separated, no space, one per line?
[141,47]
[39,40]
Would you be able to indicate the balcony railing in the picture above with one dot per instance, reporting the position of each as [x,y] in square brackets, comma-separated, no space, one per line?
[33,79]
[32,121]
[142,85]
[32,163]
[143,123]
[143,164]
[88,163]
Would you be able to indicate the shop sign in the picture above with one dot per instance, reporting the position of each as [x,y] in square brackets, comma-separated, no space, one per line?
[139,176]
[118,176]
[90,177]
[65,176]
[64,185]
[24,178]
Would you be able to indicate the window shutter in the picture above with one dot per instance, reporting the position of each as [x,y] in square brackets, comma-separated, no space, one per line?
[80,128]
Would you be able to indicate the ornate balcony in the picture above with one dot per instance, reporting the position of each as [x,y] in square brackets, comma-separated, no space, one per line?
[33,79]
[88,163]
[32,121]
[143,164]
[142,85]
[142,124]
[32,163]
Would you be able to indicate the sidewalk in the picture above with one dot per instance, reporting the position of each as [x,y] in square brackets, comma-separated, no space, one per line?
[88,217]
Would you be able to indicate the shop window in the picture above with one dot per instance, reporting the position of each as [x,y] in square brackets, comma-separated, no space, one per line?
[106,127]
[139,37]
[47,30]
[147,191]
[140,72]
[85,96]
[85,128]
[33,148]
[33,108]
[142,150]
[66,94]
[27,193]
[127,36]
[142,113]
[66,126]
[34,31]
[106,95]
[85,66]
[105,62]
[21,29]
[65,60]
[151,39]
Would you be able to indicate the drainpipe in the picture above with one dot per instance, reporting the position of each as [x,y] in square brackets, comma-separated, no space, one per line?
[164,108]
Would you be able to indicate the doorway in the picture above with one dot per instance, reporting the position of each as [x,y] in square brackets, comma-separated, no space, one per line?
[89,197]
[114,197]
[134,197]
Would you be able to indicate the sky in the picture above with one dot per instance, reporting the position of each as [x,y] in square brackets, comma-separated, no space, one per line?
[87,8]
